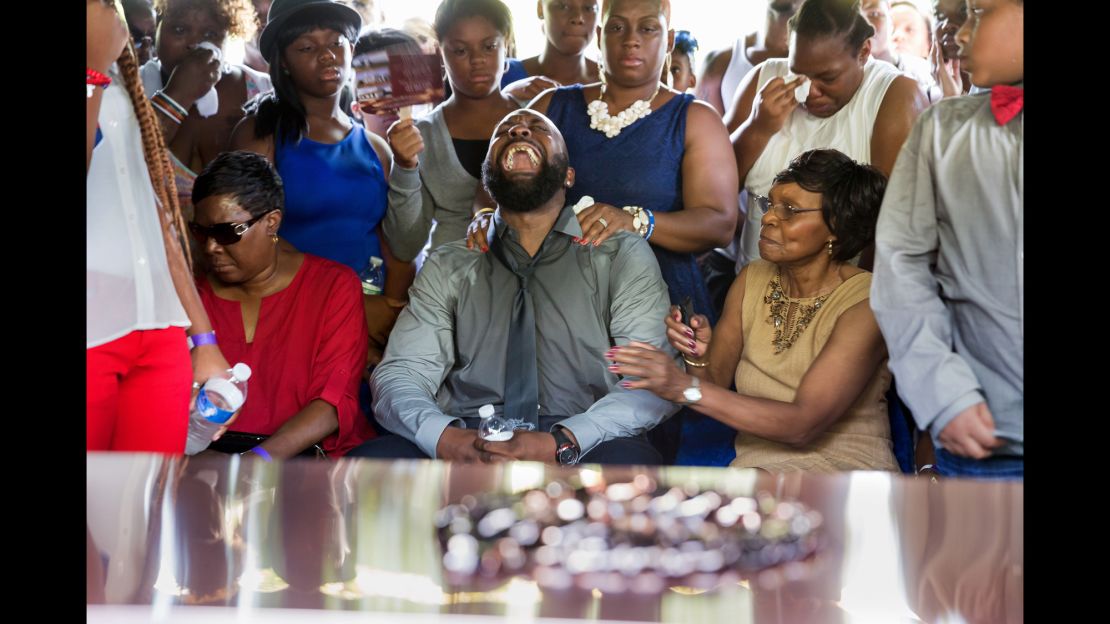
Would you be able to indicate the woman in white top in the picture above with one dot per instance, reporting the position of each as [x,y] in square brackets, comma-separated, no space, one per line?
[139,295]
[849,102]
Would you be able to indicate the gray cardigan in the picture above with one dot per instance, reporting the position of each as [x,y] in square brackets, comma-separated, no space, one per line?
[446,189]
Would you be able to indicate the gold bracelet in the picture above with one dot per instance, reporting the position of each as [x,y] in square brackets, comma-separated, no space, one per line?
[482,212]
[695,364]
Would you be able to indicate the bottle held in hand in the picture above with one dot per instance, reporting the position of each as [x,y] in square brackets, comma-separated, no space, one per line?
[218,399]
[493,428]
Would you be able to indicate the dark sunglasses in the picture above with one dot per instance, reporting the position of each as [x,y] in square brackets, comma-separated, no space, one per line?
[224,233]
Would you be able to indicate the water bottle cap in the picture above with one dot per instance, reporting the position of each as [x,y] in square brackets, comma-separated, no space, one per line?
[241,371]
[485,411]
[375,261]
[232,394]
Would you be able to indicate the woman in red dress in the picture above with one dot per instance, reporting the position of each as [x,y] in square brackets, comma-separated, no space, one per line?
[294,318]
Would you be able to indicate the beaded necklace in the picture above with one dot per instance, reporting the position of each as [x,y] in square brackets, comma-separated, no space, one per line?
[601,121]
[789,317]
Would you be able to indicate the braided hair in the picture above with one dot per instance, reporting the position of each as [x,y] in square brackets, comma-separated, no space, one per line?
[155,151]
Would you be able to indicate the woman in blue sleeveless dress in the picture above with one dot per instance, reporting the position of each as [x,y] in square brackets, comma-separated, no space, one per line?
[334,172]
[674,162]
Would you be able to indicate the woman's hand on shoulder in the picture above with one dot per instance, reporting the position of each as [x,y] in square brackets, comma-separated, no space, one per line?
[541,102]
[600,221]
[526,89]
[477,233]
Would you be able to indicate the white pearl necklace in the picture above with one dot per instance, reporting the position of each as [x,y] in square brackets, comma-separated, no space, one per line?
[612,126]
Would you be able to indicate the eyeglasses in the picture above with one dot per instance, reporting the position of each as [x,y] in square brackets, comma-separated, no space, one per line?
[784,212]
[223,233]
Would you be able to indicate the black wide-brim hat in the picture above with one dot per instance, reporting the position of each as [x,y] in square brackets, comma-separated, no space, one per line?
[282,10]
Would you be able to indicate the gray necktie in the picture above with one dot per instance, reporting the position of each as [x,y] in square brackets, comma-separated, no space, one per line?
[521,385]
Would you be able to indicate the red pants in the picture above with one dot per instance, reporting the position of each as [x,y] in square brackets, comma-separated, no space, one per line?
[137,393]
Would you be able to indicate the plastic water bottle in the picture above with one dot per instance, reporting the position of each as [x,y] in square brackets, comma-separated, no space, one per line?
[219,398]
[493,428]
[373,278]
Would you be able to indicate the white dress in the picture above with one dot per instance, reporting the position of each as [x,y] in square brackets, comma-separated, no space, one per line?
[848,130]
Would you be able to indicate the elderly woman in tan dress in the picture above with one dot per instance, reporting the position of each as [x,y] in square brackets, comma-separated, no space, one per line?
[797,335]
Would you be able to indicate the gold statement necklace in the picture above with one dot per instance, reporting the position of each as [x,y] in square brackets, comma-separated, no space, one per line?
[789,317]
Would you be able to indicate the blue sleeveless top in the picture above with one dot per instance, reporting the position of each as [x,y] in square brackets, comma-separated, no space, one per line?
[641,166]
[335,196]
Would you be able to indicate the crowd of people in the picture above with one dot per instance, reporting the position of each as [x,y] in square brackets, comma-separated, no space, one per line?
[651,258]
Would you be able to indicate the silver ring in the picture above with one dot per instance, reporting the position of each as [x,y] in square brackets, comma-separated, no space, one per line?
[603,222]
[196,385]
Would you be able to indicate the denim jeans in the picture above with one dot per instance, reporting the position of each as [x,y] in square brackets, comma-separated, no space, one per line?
[1003,467]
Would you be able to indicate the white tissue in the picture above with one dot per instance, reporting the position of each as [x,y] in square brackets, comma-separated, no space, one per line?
[209,103]
[802,90]
[583,204]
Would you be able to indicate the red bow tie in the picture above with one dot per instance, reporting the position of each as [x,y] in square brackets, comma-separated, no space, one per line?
[1006,102]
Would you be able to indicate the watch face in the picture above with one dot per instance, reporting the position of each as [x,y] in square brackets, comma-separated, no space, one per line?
[692,395]
[568,455]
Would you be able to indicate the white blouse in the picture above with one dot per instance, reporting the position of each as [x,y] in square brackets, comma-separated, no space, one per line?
[848,130]
[127,279]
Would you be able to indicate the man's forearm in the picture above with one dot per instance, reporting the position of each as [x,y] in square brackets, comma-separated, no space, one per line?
[620,414]
[406,408]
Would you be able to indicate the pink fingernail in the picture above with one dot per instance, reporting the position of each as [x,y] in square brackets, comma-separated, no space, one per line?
[625,384]
[614,367]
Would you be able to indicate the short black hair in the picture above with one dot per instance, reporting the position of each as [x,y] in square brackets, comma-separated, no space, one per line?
[833,18]
[373,40]
[451,11]
[851,194]
[246,176]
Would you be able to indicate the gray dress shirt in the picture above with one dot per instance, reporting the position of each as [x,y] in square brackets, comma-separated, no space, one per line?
[446,354]
[949,283]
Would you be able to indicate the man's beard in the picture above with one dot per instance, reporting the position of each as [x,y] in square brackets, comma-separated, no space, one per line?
[528,194]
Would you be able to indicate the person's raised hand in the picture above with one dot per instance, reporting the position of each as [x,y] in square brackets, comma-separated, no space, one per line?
[774,103]
[194,76]
[406,142]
